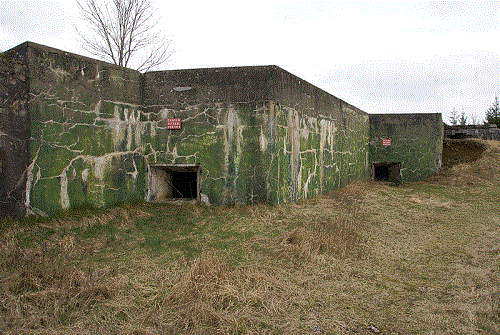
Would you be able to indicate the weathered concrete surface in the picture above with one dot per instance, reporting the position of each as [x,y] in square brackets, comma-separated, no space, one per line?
[416,142]
[260,134]
[14,131]
[79,111]
[329,146]
[160,182]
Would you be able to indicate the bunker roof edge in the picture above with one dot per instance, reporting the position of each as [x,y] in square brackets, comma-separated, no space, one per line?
[273,70]
[29,44]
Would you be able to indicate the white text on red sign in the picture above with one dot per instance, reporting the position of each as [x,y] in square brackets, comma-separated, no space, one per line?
[386,142]
[173,123]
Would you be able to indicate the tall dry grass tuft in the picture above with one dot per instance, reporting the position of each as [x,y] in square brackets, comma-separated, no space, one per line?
[204,297]
[205,275]
[39,290]
[211,298]
[333,234]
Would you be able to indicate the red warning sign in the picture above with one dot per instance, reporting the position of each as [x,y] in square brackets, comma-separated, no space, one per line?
[173,123]
[386,142]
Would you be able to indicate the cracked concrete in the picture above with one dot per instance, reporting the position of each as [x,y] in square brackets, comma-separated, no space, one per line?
[416,143]
[260,134]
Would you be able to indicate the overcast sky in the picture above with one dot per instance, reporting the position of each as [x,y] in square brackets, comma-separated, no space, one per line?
[412,57]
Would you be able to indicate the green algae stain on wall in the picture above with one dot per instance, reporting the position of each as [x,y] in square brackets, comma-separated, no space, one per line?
[103,160]
[416,142]
[74,156]
[95,136]
[117,170]
[309,154]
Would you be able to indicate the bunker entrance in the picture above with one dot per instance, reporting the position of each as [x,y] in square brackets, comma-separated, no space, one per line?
[175,181]
[387,172]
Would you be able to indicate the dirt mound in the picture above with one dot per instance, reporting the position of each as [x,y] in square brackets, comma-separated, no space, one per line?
[457,151]
[468,162]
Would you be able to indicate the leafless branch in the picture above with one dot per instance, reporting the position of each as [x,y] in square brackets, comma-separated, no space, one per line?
[123,33]
[475,119]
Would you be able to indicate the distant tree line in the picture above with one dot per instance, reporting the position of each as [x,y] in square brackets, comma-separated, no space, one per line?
[492,116]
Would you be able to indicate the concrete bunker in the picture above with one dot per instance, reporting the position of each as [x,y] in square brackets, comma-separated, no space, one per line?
[387,172]
[262,134]
[174,181]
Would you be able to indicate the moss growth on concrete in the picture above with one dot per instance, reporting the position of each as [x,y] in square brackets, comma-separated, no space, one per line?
[416,142]
[260,134]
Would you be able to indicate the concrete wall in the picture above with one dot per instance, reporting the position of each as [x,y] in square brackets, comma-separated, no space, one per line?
[83,146]
[260,134]
[416,142]
[328,138]
[221,110]
[14,131]
[160,181]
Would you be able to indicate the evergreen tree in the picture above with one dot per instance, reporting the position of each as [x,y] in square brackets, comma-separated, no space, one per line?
[493,113]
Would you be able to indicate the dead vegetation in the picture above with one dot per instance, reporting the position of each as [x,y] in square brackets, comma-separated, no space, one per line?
[468,162]
[422,258]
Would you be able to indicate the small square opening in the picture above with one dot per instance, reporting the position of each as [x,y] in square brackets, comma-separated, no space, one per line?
[174,181]
[387,172]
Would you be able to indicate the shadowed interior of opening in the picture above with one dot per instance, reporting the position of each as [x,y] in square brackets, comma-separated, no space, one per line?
[184,185]
[173,182]
[387,172]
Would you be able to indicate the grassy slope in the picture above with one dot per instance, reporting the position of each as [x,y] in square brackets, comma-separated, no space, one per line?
[421,258]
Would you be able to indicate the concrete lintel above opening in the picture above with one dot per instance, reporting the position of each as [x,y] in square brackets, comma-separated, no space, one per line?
[178,167]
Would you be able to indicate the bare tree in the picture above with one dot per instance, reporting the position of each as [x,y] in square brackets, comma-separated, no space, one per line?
[475,119]
[123,33]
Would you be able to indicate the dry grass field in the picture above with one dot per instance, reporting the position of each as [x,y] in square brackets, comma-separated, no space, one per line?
[420,258]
